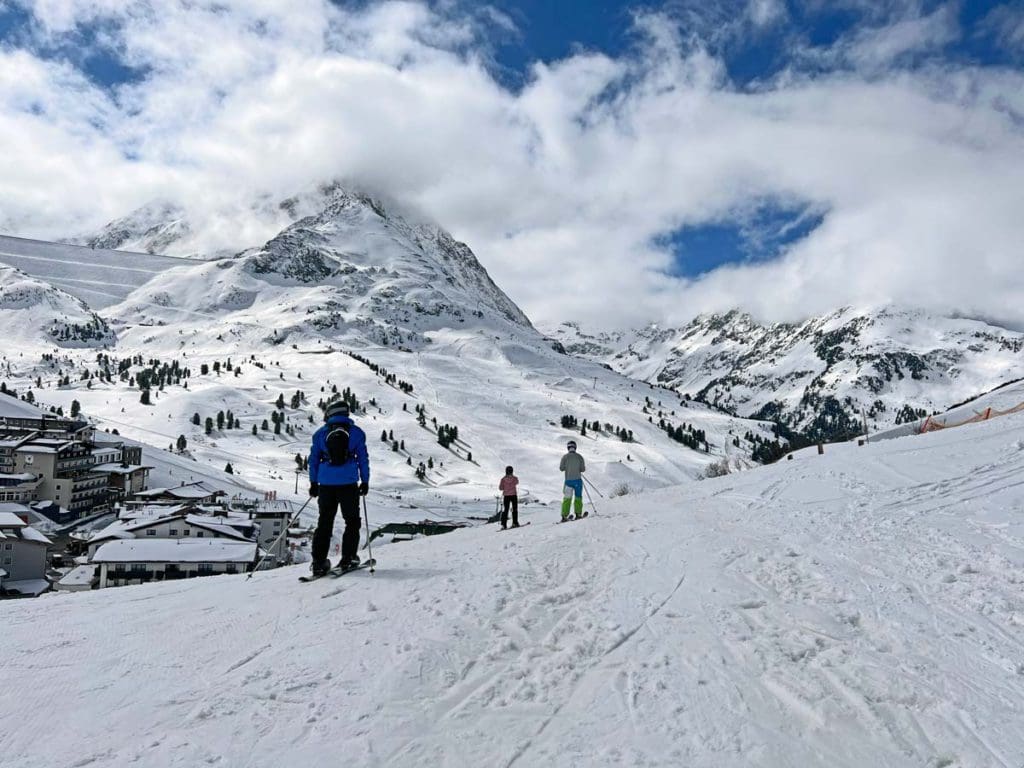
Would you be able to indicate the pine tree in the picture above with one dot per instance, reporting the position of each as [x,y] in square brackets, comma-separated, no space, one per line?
[182,443]
[196,419]
[209,425]
[229,469]
[76,408]
[145,397]
[254,430]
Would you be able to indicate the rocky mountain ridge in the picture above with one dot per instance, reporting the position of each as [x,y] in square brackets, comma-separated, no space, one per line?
[824,376]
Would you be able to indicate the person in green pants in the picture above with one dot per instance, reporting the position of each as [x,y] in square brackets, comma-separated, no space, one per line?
[574,466]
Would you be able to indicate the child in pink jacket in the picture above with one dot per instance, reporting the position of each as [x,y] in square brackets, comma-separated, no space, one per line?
[507,485]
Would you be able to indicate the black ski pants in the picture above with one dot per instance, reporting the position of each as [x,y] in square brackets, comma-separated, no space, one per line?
[510,501]
[329,499]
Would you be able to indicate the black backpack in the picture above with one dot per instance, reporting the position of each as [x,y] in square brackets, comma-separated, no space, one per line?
[337,445]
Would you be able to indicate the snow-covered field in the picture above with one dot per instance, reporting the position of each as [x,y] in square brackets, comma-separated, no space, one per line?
[861,608]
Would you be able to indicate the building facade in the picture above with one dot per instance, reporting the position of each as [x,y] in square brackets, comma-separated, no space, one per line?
[22,554]
[138,561]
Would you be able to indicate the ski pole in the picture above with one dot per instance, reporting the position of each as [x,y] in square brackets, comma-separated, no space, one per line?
[369,549]
[593,486]
[591,499]
[278,539]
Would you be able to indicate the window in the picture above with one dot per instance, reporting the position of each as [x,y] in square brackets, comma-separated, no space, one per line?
[119,568]
[205,568]
[199,534]
[232,568]
[174,531]
[7,560]
[151,532]
[187,532]
[8,545]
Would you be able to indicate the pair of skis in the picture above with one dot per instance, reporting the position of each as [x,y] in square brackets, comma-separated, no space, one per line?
[573,518]
[337,571]
[521,525]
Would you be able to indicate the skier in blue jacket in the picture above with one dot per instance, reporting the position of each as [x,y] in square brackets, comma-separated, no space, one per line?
[339,473]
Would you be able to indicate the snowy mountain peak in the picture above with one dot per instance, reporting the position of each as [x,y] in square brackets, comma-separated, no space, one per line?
[375,264]
[153,228]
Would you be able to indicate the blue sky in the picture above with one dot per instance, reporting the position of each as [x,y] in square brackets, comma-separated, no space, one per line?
[677,136]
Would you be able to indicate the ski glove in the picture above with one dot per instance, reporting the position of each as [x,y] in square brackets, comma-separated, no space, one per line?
[364,488]
[314,489]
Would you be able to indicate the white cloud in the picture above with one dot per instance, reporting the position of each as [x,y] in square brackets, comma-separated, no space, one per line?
[765,13]
[560,187]
[877,48]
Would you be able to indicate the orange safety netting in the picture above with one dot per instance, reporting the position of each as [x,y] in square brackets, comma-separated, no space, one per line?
[931,424]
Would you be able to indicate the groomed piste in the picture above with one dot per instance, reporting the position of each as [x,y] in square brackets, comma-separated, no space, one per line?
[865,607]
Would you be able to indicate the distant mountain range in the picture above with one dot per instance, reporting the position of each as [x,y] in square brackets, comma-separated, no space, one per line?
[347,271]
[823,376]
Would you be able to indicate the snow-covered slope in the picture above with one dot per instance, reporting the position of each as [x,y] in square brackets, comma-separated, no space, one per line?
[98,277]
[33,314]
[858,608]
[430,331]
[819,375]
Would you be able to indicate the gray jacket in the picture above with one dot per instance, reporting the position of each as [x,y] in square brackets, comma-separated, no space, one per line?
[573,465]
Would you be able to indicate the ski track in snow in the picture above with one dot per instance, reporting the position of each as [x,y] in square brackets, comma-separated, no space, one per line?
[861,608]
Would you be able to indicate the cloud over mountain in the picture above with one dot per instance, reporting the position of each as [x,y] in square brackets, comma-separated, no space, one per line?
[567,185]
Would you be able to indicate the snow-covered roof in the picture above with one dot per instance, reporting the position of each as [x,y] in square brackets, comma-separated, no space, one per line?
[24,477]
[28,533]
[176,551]
[190,491]
[8,519]
[116,530]
[13,408]
[219,527]
[37,447]
[153,511]
[32,587]
[116,468]
[81,576]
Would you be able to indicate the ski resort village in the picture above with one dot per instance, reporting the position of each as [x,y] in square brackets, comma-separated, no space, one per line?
[426,384]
